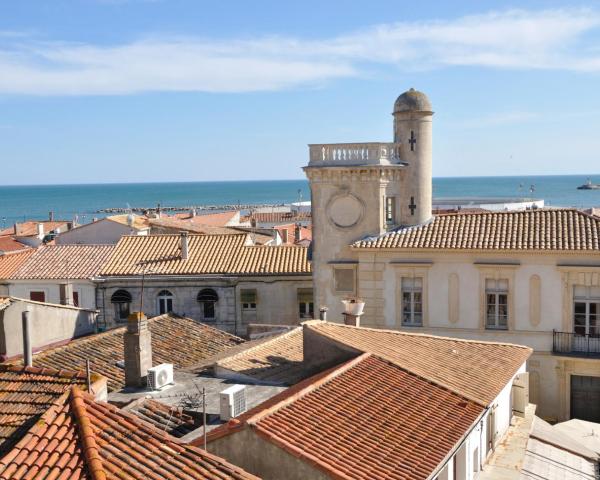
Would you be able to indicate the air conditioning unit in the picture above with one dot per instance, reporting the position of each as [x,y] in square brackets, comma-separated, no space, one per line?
[232,402]
[160,376]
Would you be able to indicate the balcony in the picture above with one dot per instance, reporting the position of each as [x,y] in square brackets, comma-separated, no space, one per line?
[354,154]
[572,344]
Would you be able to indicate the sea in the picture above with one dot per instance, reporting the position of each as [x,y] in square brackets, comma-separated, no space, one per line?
[84,202]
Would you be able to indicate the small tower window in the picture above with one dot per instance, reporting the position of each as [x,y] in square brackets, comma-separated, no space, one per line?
[390,210]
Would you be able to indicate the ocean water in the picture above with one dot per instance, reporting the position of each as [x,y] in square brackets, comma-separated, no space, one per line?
[34,202]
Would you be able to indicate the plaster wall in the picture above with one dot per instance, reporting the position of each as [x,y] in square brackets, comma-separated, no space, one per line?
[101,232]
[49,324]
[85,288]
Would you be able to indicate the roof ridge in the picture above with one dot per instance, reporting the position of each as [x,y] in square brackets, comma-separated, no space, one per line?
[310,387]
[61,373]
[258,345]
[417,334]
[86,435]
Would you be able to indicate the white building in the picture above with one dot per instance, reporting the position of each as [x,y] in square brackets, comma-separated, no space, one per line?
[105,231]
[529,277]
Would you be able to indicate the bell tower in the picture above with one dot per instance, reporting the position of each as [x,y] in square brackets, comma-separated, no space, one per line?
[366,189]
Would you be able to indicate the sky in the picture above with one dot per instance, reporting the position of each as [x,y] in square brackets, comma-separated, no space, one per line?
[95,91]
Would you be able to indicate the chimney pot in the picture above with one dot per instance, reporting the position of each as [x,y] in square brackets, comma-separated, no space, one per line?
[323,313]
[27,349]
[351,319]
[184,245]
[40,230]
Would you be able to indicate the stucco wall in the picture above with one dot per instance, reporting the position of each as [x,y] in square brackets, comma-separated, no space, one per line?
[255,455]
[102,232]
[49,324]
[85,288]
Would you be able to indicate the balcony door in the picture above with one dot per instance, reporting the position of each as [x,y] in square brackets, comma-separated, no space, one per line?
[586,319]
[585,398]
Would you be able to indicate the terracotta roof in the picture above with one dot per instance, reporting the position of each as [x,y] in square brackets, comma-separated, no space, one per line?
[85,439]
[195,227]
[545,229]
[9,244]
[11,261]
[475,369]
[365,419]
[29,228]
[208,254]
[276,360]
[220,219]
[167,418]
[178,340]
[25,394]
[139,222]
[278,217]
[290,228]
[64,261]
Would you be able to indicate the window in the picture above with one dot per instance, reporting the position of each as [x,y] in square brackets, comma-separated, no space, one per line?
[75,299]
[121,299]
[412,301]
[37,296]
[344,280]
[306,307]
[496,308]
[248,298]
[165,302]
[208,298]
[390,210]
[586,310]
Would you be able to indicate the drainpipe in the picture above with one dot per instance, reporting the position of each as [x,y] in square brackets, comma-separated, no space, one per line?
[27,352]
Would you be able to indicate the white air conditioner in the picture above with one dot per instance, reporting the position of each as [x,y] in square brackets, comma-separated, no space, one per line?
[232,402]
[160,376]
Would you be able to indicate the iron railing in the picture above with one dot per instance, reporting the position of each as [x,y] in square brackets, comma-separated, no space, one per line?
[565,343]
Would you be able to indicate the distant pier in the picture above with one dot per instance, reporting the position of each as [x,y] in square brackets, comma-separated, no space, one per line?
[233,206]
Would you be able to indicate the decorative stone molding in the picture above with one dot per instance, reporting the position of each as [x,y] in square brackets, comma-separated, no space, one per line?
[345,210]
[453,298]
[535,300]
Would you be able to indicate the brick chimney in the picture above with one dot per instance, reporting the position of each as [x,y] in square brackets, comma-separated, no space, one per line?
[184,245]
[297,230]
[138,350]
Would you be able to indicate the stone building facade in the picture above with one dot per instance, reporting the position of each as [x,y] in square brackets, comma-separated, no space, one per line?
[530,278]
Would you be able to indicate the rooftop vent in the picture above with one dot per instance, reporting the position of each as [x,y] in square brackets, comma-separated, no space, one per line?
[232,402]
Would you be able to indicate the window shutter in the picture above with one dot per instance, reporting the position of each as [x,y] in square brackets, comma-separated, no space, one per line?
[520,394]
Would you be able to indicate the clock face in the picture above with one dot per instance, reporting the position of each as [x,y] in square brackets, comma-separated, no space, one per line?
[345,210]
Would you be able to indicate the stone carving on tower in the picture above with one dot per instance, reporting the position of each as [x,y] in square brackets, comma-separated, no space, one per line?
[367,189]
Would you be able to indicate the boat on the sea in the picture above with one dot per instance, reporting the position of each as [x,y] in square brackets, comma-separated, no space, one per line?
[589,186]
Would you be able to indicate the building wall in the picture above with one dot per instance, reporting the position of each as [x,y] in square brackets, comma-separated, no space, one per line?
[101,232]
[540,301]
[277,298]
[49,324]
[85,288]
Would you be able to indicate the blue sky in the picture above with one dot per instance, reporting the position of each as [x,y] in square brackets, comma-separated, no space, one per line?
[184,90]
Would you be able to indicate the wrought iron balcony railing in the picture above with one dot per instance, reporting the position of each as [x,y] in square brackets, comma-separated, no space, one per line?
[573,344]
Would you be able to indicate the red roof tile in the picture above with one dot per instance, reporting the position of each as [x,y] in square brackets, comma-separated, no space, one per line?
[10,262]
[85,439]
[29,228]
[365,419]
[9,244]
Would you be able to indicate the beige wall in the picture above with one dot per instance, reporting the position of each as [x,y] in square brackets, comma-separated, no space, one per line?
[85,288]
[49,324]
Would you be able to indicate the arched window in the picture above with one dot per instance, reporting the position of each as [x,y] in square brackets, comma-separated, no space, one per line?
[208,298]
[165,302]
[121,299]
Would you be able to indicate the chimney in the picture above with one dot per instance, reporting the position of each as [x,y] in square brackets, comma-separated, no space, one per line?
[323,313]
[16,229]
[27,352]
[297,233]
[353,310]
[184,245]
[192,213]
[51,215]
[40,230]
[138,350]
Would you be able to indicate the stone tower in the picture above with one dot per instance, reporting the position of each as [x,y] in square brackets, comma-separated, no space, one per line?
[366,189]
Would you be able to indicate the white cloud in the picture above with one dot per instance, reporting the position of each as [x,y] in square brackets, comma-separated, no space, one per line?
[550,39]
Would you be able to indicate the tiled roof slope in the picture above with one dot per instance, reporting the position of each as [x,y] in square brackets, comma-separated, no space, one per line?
[139,222]
[11,261]
[64,261]
[365,419]
[475,369]
[278,217]
[25,394]
[9,244]
[167,418]
[85,439]
[220,219]
[561,229]
[178,340]
[208,254]
[276,360]
[29,228]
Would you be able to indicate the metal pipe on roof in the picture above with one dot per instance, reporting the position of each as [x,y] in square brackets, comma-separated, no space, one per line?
[27,351]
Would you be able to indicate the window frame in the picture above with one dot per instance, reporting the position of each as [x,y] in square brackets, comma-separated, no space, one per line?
[587,300]
[411,291]
[120,306]
[389,210]
[164,298]
[336,268]
[248,306]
